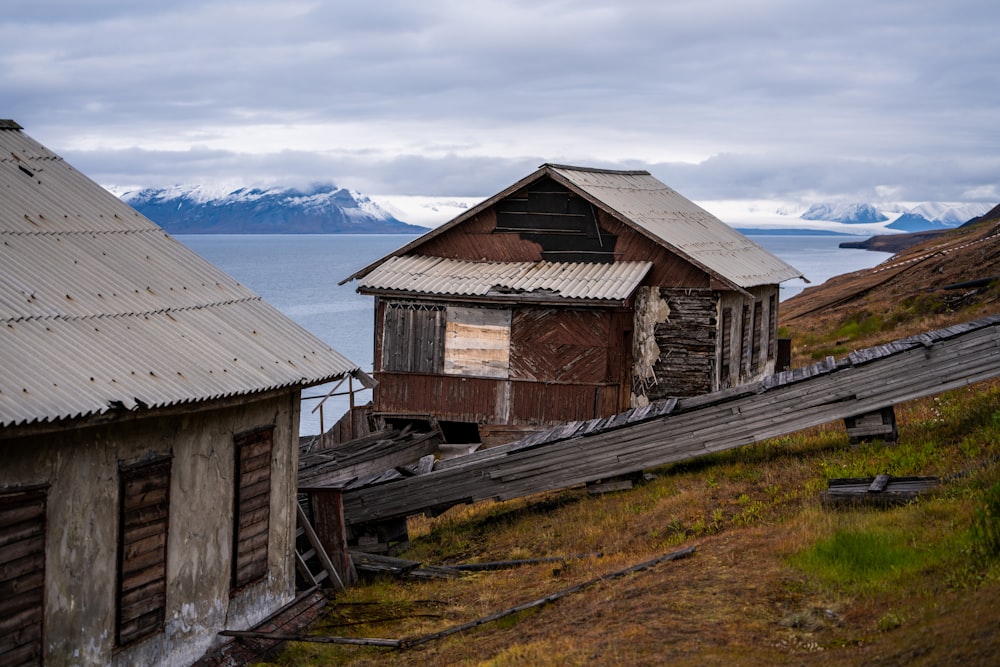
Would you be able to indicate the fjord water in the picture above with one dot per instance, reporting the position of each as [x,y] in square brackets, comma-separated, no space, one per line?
[298,274]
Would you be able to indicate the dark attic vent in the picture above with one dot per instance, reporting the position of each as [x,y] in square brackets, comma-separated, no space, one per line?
[564,224]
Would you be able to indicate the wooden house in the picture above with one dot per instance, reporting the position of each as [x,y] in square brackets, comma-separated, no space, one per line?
[574,293]
[149,419]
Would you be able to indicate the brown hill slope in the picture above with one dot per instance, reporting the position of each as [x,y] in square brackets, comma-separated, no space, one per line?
[950,278]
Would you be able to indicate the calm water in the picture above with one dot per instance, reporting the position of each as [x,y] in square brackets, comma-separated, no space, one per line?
[298,274]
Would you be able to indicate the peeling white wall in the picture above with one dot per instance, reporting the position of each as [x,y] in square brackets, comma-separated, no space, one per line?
[650,309]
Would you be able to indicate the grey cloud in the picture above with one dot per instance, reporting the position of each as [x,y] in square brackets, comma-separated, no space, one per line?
[774,98]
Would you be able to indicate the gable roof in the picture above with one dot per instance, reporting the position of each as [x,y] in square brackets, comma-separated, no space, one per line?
[654,210]
[102,310]
[548,282]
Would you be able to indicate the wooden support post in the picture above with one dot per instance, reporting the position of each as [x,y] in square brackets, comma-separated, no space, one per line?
[324,559]
[878,425]
[328,521]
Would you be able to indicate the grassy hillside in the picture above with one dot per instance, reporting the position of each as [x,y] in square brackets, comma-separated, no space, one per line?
[776,578]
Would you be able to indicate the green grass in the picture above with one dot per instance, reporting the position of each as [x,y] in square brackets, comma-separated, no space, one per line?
[858,560]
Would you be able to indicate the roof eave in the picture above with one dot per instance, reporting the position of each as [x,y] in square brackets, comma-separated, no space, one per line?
[514,298]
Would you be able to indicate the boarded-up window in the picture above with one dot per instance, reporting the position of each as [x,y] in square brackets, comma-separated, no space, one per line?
[144,504]
[756,334]
[22,576]
[477,342]
[772,327]
[413,338]
[727,346]
[252,505]
[745,338]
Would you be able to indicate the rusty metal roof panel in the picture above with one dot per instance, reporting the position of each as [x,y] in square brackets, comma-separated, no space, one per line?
[102,310]
[678,223]
[417,274]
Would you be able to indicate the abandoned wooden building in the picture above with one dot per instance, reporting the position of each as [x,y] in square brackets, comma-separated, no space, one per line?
[572,294]
[149,418]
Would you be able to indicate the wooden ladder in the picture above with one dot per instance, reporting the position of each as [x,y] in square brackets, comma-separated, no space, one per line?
[312,552]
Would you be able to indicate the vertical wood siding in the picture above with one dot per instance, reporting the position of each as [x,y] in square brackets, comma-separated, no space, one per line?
[413,337]
[252,510]
[22,576]
[142,550]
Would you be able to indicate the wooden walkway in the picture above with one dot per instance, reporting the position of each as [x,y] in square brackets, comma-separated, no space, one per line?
[680,429]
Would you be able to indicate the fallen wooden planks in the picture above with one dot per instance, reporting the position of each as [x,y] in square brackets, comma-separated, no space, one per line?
[880,491]
[691,427]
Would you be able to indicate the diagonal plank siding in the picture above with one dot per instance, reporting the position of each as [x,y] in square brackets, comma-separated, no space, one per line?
[557,345]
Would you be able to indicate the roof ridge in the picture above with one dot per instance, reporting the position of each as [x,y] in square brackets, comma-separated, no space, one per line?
[161,311]
[597,170]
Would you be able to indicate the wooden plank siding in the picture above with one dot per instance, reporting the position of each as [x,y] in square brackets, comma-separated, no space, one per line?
[22,576]
[144,505]
[687,344]
[561,222]
[252,505]
[413,337]
[559,364]
[492,401]
[677,430]
[559,345]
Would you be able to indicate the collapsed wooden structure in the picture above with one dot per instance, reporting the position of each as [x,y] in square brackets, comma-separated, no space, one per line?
[866,381]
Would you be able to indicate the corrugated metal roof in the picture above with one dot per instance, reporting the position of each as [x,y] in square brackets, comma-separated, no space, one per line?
[101,309]
[417,274]
[654,210]
[678,223]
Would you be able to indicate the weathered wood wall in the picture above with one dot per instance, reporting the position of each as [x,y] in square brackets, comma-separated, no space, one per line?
[747,342]
[558,365]
[687,344]
[493,401]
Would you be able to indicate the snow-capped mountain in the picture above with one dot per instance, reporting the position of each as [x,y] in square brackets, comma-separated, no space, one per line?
[321,209]
[776,216]
[847,213]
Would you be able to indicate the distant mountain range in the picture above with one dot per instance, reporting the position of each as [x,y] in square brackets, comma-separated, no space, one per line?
[327,209]
[321,209]
[923,217]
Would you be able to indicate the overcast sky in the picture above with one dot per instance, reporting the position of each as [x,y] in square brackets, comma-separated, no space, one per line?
[854,100]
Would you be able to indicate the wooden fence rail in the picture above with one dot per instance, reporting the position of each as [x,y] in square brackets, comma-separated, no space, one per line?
[680,429]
